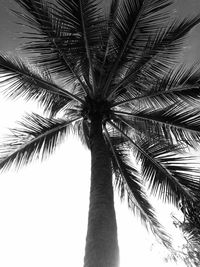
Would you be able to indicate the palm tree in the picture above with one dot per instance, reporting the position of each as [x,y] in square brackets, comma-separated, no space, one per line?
[109,76]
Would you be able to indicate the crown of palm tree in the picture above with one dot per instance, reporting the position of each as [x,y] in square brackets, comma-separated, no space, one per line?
[119,67]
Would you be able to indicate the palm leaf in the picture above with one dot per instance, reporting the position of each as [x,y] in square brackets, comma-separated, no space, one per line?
[50,40]
[108,53]
[158,53]
[162,177]
[36,138]
[22,80]
[171,176]
[135,21]
[86,22]
[182,122]
[137,127]
[177,85]
[127,180]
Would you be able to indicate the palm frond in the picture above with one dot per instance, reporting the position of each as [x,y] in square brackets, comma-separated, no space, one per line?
[135,21]
[23,80]
[36,138]
[169,183]
[89,24]
[171,176]
[143,128]
[83,18]
[159,53]
[108,53]
[181,84]
[181,122]
[50,40]
[128,183]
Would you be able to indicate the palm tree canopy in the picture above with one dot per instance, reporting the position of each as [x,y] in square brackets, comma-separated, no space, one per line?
[118,66]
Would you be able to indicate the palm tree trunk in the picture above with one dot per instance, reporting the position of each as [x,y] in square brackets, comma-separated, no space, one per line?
[101,241]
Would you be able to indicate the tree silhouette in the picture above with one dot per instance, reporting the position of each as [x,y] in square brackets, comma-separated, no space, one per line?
[109,76]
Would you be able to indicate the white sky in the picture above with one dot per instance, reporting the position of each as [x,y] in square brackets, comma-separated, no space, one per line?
[43,211]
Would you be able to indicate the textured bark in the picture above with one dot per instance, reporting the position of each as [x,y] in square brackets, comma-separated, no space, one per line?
[101,241]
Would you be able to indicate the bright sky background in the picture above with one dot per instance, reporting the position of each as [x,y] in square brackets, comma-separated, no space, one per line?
[43,207]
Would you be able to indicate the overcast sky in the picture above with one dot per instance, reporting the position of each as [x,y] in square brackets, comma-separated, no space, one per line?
[43,208]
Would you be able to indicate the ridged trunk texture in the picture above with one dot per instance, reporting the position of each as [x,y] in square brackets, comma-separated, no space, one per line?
[101,241]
